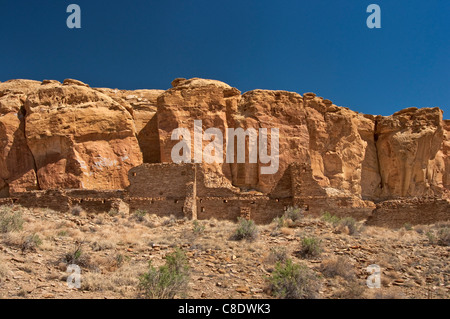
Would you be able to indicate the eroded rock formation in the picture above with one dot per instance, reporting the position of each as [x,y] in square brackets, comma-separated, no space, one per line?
[72,136]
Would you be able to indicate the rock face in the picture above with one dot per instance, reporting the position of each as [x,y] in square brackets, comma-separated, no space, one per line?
[65,136]
[408,144]
[17,168]
[72,136]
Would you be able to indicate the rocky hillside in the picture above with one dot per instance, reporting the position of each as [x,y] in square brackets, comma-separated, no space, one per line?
[114,251]
[69,135]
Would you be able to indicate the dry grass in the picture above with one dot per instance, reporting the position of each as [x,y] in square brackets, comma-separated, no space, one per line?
[125,278]
[355,290]
[339,266]
[118,251]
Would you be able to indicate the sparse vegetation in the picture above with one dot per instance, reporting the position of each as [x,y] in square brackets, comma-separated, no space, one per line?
[339,266]
[198,228]
[279,222]
[294,213]
[115,254]
[77,257]
[439,236]
[10,220]
[101,245]
[327,217]
[113,212]
[31,242]
[246,230]
[293,281]
[139,215]
[169,221]
[277,254]
[310,247]
[444,236]
[349,224]
[76,210]
[407,226]
[355,290]
[62,233]
[167,281]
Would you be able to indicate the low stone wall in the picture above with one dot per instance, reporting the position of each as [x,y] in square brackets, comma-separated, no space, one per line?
[396,213]
[261,209]
[161,206]
[185,190]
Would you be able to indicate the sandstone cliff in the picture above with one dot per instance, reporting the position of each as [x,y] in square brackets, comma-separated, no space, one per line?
[71,136]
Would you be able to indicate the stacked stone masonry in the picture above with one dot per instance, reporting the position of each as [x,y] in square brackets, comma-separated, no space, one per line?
[67,144]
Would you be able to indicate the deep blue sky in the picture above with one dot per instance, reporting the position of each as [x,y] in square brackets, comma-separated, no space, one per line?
[321,46]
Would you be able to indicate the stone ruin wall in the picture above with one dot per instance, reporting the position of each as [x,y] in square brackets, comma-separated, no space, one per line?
[66,144]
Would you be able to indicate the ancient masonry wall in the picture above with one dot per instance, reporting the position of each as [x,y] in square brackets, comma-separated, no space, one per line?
[396,213]
[181,190]
[308,194]
[64,200]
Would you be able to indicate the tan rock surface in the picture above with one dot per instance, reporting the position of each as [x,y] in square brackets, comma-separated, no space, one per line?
[72,136]
[408,143]
[17,170]
[80,138]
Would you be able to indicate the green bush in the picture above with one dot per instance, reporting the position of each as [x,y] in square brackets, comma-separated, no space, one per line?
[280,222]
[139,215]
[31,242]
[198,228]
[113,212]
[293,281]
[168,280]
[246,230]
[77,257]
[407,226]
[10,220]
[294,213]
[327,217]
[310,247]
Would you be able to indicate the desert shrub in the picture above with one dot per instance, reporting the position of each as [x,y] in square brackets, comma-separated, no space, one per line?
[76,210]
[246,230]
[294,213]
[198,228]
[31,242]
[168,280]
[293,281]
[279,222]
[431,237]
[62,233]
[169,221]
[444,236]
[354,290]
[338,267]
[10,220]
[113,212]
[77,257]
[350,223]
[139,215]
[440,236]
[327,217]
[100,245]
[277,254]
[407,226]
[310,247]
